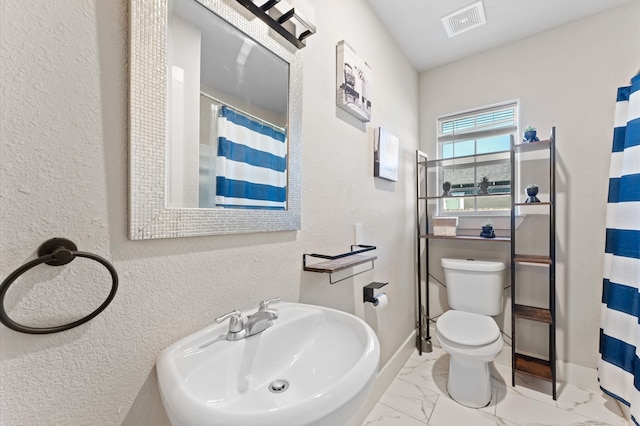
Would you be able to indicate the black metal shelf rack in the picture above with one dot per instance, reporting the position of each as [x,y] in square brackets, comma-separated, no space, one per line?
[521,362]
[423,237]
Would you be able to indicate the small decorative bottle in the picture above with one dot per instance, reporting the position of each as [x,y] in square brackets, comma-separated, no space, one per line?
[532,191]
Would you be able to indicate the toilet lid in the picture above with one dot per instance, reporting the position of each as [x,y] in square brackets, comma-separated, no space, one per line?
[467,328]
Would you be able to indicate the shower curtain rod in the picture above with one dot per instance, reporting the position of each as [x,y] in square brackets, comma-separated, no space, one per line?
[253,117]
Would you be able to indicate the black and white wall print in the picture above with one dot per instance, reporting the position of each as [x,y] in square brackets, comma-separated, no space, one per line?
[353,76]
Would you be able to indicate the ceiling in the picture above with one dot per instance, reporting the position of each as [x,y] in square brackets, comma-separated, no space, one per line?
[416,25]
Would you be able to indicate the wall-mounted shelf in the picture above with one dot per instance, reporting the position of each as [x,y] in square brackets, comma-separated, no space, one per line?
[339,262]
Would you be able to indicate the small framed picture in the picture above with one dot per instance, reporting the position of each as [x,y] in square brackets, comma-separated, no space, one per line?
[385,155]
[353,78]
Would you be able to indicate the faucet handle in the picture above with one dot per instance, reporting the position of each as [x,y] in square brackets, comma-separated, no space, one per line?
[265,303]
[236,323]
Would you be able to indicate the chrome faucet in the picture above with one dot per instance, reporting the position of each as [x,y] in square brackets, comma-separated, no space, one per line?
[255,324]
[260,321]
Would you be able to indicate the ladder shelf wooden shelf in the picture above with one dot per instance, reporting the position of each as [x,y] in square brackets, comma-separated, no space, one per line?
[532,313]
[535,367]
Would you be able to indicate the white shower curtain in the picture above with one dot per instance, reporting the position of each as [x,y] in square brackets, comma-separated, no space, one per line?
[619,363]
[251,168]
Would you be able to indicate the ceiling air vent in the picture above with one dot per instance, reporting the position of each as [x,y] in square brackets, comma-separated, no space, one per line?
[465,19]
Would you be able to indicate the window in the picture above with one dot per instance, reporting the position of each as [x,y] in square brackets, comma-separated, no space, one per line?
[486,132]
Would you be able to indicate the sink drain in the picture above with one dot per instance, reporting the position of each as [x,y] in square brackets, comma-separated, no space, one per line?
[279,386]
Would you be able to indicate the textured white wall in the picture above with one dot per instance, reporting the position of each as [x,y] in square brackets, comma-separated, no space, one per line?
[565,78]
[64,80]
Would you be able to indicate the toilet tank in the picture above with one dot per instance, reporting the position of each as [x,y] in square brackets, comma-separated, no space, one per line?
[474,285]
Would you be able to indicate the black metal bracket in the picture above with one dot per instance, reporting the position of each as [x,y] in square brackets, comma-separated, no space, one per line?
[61,248]
[276,25]
[331,281]
[369,290]
[268,5]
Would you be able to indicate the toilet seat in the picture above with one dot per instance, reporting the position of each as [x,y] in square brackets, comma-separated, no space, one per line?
[467,328]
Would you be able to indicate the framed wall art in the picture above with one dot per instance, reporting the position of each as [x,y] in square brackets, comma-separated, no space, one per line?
[353,78]
[385,155]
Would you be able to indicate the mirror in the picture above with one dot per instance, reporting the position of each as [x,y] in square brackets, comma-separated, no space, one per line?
[215,122]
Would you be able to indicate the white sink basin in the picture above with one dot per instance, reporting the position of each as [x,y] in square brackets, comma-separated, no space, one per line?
[327,358]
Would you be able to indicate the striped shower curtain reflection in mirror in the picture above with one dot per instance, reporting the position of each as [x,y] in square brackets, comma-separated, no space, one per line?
[251,167]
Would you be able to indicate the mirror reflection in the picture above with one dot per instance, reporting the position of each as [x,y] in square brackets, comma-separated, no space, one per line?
[227,141]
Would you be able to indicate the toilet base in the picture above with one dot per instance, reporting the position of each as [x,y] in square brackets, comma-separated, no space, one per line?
[469,382]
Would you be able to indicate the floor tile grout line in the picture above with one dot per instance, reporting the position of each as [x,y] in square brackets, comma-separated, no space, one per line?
[405,413]
[434,408]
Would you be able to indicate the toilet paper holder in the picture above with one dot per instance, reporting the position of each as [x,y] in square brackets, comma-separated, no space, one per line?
[369,290]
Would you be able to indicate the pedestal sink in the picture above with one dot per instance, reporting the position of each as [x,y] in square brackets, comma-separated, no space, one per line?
[314,366]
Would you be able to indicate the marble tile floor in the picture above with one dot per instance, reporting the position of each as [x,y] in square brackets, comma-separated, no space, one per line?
[418,396]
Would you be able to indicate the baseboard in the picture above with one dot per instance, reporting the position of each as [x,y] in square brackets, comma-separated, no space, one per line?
[384,378]
[578,375]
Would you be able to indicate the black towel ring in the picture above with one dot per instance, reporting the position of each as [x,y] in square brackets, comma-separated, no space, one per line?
[55,252]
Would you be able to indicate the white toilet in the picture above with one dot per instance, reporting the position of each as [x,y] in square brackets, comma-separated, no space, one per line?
[467,331]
